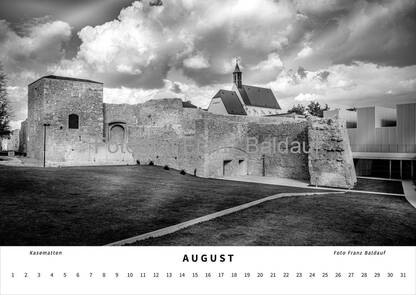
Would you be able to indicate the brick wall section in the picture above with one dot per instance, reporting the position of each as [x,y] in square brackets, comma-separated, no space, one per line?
[330,158]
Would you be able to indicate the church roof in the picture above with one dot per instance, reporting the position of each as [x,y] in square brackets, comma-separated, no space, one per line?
[65,78]
[258,97]
[231,102]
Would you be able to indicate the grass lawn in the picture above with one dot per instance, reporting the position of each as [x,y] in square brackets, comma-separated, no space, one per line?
[100,205]
[350,219]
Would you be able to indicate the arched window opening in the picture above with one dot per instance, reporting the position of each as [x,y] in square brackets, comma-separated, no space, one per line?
[117,134]
[73,121]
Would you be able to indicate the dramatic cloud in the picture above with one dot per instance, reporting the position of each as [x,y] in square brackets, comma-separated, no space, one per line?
[146,41]
[198,95]
[196,62]
[338,51]
[306,97]
[358,84]
[305,52]
[381,32]
[39,44]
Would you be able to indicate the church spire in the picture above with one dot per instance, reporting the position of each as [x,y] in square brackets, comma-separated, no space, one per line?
[237,75]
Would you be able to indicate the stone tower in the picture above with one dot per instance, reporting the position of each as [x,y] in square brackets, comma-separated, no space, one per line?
[237,76]
[72,110]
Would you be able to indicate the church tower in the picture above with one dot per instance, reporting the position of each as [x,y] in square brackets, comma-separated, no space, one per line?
[237,76]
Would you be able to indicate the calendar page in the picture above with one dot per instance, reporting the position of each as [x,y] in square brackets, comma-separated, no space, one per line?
[195,147]
[208,270]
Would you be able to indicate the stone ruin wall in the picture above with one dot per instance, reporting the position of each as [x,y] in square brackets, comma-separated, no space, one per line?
[51,101]
[158,131]
[165,133]
[35,115]
[250,147]
[330,158]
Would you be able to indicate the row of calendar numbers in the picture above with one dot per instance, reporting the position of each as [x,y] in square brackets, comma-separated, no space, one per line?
[247,275]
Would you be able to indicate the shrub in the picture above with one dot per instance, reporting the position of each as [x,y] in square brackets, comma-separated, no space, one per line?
[182,172]
[151,163]
[166,167]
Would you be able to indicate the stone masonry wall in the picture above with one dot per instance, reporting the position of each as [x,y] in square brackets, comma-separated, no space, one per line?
[163,132]
[35,117]
[23,137]
[251,147]
[51,101]
[209,145]
[330,158]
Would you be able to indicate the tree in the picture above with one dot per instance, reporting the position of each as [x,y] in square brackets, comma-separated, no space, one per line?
[297,109]
[315,109]
[4,106]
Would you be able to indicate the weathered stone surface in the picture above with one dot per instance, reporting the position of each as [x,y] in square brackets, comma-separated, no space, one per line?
[330,158]
[51,101]
[165,133]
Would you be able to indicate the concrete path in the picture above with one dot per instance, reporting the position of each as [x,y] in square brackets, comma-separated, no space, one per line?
[296,183]
[409,189]
[270,180]
[176,227]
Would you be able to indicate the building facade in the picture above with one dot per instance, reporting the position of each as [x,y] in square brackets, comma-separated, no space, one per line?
[383,140]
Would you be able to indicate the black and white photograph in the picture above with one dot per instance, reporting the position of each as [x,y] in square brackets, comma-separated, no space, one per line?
[207,123]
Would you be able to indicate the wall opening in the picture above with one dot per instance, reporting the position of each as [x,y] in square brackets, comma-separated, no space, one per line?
[388,123]
[73,121]
[227,168]
[242,167]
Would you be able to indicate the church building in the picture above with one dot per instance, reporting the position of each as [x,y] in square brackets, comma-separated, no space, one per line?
[244,100]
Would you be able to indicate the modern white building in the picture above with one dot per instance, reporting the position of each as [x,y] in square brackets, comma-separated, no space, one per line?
[244,100]
[383,140]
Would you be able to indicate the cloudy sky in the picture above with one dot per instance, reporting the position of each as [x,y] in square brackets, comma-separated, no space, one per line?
[340,52]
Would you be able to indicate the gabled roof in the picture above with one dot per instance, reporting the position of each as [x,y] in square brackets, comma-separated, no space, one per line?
[258,97]
[65,78]
[231,102]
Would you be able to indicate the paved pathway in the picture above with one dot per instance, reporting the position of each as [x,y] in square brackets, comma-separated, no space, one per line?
[409,189]
[296,183]
[176,227]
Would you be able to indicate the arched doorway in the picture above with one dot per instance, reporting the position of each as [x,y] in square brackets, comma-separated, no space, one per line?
[117,134]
